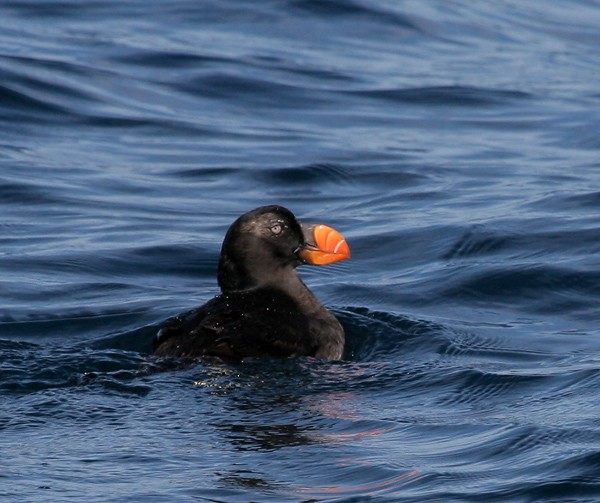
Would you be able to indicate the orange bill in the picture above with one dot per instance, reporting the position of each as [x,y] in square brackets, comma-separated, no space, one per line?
[324,245]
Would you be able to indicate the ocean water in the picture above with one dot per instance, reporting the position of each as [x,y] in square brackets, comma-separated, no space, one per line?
[455,144]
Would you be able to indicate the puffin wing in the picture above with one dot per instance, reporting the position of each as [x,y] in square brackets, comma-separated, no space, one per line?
[234,326]
[196,333]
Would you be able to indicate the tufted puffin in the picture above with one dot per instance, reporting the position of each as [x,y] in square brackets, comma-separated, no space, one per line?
[264,309]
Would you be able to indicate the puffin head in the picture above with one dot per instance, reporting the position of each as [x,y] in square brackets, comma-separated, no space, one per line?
[269,241]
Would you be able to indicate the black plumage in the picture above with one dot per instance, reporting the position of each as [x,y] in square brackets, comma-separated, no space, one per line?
[264,309]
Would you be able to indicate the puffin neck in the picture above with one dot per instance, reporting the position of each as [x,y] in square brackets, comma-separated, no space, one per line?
[233,278]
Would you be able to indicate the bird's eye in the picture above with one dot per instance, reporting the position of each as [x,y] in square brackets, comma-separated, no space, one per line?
[276,229]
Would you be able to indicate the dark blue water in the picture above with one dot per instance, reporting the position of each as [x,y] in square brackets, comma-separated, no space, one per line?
[455,144]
